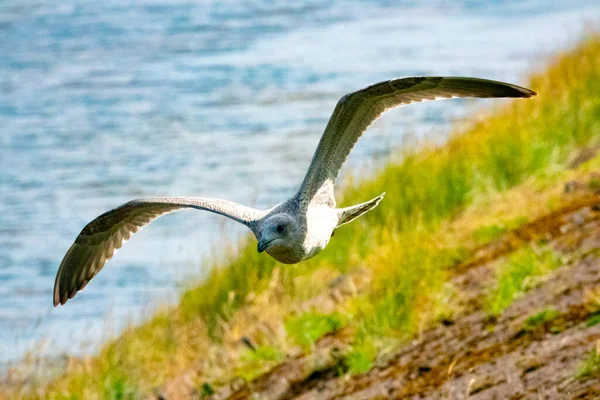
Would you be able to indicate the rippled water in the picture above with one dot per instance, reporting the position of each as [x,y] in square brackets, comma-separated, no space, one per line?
[101,102]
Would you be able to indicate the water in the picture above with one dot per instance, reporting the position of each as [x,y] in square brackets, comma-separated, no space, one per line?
[101,102]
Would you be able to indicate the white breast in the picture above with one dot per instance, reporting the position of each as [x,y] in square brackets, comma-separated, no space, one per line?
[320,221]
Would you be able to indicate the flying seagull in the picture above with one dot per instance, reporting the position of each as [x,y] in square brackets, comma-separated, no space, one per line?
[298,228]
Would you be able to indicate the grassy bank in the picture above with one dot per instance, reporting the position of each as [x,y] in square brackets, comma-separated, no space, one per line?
[388,271]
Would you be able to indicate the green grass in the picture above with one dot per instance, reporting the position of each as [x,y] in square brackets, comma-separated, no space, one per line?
[360,358]
[408,246]
[119,389]
[487,233]
[518,274]
[594,319]
[304,329]
[226,287]
[408,278]
[590,366]
[254,362]
[542,319]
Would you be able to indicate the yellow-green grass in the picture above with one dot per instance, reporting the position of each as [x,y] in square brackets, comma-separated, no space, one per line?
[442,201]
[518,274]
[304,329]
[255,359]
[590,366]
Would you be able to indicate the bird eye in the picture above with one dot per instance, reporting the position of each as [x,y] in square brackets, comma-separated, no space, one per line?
[280,228]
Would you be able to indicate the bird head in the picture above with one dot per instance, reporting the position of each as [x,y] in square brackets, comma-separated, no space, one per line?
[275,231]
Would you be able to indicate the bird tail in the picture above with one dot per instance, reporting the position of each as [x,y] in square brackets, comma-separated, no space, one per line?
[349,214]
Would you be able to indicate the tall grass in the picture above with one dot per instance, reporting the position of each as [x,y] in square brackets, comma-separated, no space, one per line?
[398,243]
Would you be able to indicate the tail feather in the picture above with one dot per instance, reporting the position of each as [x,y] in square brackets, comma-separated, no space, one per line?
[349,214]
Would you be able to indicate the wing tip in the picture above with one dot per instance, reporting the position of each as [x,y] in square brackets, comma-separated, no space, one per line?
[56,295]
[496,88]
[518,91]
[61,295]
[58,299]
[525,93]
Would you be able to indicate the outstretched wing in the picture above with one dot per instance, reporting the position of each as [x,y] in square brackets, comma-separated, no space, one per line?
[355,112]
[101,238]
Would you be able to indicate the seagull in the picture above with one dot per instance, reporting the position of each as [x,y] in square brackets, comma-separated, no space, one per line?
[298,228]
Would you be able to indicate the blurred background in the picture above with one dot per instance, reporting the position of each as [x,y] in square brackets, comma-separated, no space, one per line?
[102,102]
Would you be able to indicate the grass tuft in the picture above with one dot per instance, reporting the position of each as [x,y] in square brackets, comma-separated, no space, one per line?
[361,357]
[594,319]
[487,233]
[518,274]
[254,362]
[542,319]
[304,329]
[590,366]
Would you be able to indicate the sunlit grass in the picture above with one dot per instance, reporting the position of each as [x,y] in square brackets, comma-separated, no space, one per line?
[487,233]
[519,274]
[306,328]
[256,361]
[441,202]
[360,358]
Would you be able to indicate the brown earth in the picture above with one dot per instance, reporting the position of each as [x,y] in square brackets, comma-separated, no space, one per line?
[475,355]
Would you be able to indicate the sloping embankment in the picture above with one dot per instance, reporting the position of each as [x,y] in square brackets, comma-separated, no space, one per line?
[544,345]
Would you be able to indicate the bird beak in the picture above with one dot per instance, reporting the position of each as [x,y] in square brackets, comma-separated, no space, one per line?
[263,244]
